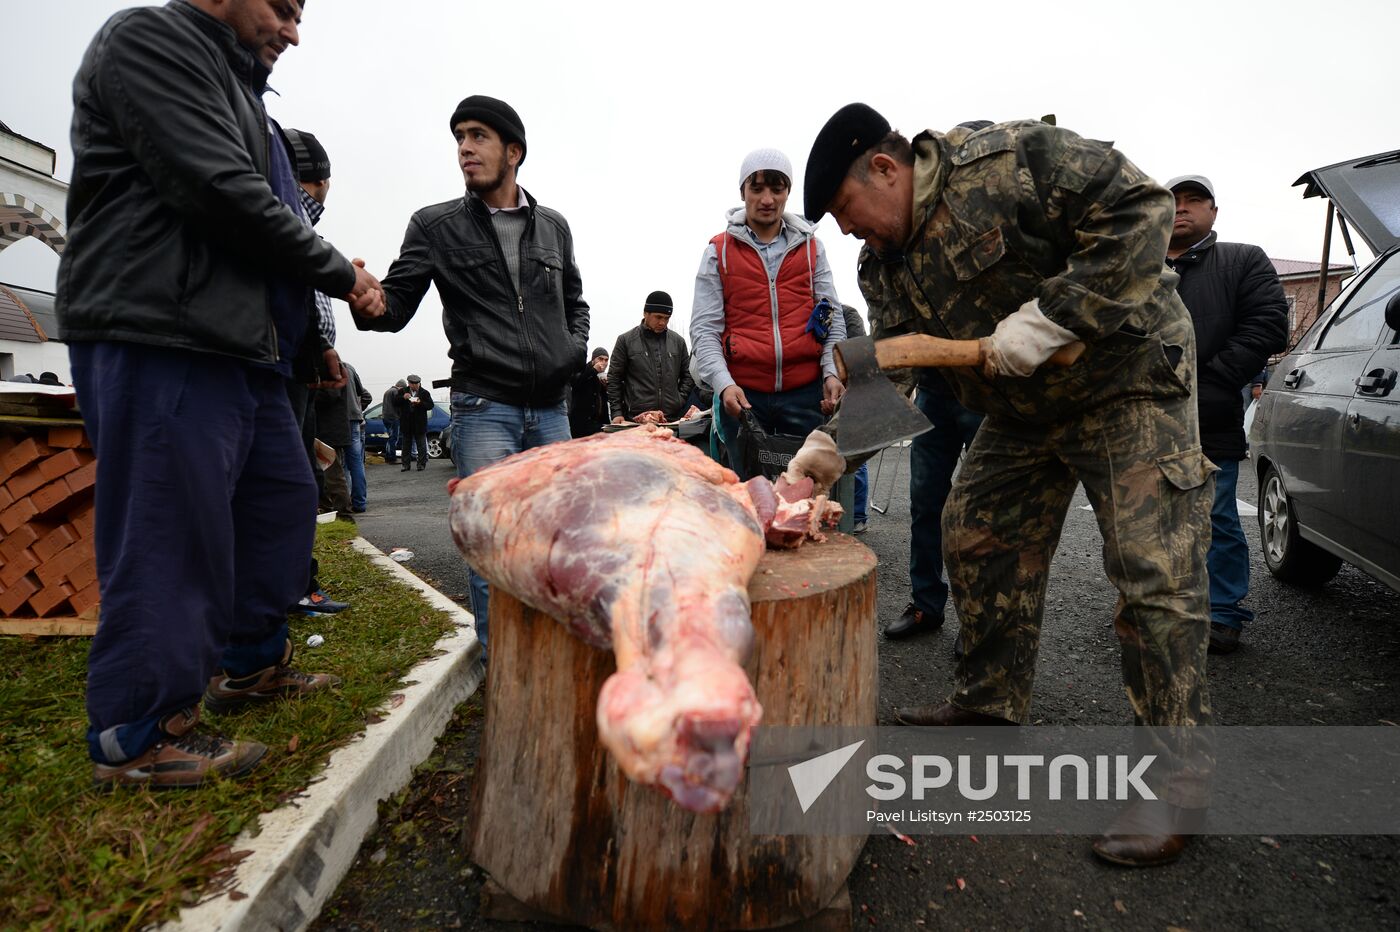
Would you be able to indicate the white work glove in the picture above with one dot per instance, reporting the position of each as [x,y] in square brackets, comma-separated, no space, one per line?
[817,458]
[1023,341]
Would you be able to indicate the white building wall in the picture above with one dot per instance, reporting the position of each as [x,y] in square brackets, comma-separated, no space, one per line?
[34,358]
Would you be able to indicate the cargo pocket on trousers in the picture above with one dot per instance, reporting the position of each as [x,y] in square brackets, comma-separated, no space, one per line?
[1184,510]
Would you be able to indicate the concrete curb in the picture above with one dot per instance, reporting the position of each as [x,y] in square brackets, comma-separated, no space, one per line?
[303,850]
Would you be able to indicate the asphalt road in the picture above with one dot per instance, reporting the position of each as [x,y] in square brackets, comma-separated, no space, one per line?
[1330,656]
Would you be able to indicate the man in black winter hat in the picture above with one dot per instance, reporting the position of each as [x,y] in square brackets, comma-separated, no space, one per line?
[512,300]
[649,374]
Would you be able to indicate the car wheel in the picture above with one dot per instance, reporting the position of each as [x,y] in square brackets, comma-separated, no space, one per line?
[435,448]
[1289,557]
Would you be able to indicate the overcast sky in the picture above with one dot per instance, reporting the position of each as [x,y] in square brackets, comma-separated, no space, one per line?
[638,115]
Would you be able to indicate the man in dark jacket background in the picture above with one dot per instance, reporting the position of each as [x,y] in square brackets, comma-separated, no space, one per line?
[414,405]
[588,396]
[201,532]
[1241,317]
[649,370]
[512,300]
[389,414]
[340,426]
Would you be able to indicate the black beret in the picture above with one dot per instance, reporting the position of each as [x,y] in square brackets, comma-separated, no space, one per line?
[496,114]
[312,162]
[851,131]
[658,302]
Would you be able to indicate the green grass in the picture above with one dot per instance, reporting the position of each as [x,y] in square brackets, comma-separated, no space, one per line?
[72,858]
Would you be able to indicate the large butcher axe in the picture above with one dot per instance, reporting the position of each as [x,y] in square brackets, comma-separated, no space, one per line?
[875,414]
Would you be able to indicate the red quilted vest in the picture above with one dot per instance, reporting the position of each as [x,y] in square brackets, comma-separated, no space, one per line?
[765,343]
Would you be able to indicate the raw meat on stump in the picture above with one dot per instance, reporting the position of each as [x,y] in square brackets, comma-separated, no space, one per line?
[640,542]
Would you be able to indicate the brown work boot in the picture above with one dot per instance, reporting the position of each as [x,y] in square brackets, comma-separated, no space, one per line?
[183,758]
[1148,833]
[227,693]
[946,714]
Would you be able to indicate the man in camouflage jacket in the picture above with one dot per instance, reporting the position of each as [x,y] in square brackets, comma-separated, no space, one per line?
[1036,237]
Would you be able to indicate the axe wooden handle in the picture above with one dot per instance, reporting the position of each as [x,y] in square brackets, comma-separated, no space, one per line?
[918,350]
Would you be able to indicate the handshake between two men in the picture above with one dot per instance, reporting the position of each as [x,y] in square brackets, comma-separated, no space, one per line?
[366,299]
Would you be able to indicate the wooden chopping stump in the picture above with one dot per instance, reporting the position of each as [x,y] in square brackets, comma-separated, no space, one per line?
[562,830]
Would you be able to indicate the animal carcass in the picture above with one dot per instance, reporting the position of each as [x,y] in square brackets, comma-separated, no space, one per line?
[640,542]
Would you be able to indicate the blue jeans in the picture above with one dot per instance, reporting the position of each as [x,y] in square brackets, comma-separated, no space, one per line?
[862,494]
[796,413]
[196,565]
[391,445]
[355,466]
[1227,561]
[485,432]
[933,458]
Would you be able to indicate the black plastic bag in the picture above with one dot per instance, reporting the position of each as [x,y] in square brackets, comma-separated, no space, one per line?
[755,452]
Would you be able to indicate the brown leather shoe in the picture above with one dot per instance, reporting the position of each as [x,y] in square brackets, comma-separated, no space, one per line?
[1148,833]
[183,758]
[946,714]
[227,693]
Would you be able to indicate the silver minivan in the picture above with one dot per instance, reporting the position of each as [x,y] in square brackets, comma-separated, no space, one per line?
[1326,435]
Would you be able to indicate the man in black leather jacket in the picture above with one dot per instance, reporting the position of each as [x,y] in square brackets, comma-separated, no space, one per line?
[1241,317]
[183,293]
[512,299]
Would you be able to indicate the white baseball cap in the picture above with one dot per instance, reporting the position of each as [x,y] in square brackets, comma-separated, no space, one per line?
[1200,181]
[765,160]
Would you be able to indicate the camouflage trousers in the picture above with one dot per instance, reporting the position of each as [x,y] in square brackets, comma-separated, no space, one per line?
[1151,489]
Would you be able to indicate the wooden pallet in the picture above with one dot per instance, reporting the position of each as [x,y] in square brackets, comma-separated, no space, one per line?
[83,626]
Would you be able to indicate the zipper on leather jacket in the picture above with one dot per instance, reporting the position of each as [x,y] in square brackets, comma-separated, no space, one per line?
[267,171]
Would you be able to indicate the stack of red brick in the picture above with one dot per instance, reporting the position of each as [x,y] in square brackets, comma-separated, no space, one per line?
[47,563]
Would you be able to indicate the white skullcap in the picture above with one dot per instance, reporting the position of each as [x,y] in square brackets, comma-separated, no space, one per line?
[765,160]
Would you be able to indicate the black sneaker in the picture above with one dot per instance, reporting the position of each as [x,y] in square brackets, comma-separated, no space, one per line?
[1223,638]
[184,758]
[227,693]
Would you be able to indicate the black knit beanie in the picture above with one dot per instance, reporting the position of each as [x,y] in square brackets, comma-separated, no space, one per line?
[658,302]
[496,114]
[313,164]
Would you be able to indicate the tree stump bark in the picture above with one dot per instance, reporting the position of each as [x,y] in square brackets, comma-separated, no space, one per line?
[563,832]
